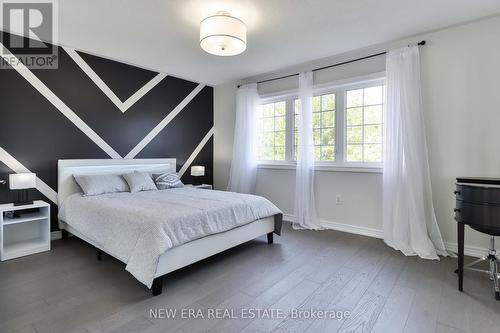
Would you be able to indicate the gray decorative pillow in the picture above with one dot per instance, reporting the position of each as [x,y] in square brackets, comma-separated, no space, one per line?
[140,181]
[167,180]
[100,184]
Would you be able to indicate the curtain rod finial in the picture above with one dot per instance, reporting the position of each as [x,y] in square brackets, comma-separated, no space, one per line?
[422,42]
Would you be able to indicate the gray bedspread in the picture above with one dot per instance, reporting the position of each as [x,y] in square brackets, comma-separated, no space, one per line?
[138,228]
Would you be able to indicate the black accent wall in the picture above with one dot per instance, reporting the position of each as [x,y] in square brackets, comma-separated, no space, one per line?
[37,134]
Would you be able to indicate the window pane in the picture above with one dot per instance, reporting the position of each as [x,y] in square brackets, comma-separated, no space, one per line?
[317,136]
[297,106]
[373,153]
[279,138]
[327,136]
[316,120]
[364,124]
[279,124]
[268,154]
[268,124]
[316,103]
[354,153]
[373,134]
[268,110]
[373,114]
[317,153]
[260,125]
[354,134]
[328,119]
[279,109]
[373,95]
[354,98]
[327,153]
[328,102]
[354,116]
[279,153]
[260,145]
[271,131]
[323,121]
[268,139]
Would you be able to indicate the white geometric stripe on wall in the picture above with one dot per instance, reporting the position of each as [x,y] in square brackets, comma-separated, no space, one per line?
[123,106]
[162,124]
[196,152]
[17,167]
[58,103]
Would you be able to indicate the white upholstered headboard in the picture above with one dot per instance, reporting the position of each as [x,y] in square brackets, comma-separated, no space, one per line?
[68,168]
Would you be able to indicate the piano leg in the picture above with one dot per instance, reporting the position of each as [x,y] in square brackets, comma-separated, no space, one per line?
[460,229]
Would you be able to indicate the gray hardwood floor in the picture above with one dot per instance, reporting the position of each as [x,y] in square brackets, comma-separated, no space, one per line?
[68,290]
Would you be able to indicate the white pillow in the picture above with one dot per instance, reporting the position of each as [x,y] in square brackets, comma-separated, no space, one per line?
[140,181]
[100,184]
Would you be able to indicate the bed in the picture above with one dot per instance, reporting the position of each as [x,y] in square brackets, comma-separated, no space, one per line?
[157,232]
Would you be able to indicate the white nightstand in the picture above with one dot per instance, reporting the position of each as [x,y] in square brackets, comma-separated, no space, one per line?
[26,234]
[202,186]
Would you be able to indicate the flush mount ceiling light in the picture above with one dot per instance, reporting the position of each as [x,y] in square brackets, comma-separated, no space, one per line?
[223,34]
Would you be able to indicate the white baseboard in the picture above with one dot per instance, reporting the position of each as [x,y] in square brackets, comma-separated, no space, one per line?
[473,251]
[365,231]
[55,235]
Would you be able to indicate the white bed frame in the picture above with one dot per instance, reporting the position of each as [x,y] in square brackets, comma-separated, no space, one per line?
[177,257]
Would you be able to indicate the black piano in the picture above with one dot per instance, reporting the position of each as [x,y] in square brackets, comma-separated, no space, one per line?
[478,206]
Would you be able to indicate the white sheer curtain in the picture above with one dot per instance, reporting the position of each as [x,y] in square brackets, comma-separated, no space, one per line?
[305,208]
[244,164]
[409,221]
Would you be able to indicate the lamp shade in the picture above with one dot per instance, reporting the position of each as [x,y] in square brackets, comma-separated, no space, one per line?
[20,181]
[197,170]
[223,35]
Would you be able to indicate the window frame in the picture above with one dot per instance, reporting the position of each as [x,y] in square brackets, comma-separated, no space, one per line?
[339,88]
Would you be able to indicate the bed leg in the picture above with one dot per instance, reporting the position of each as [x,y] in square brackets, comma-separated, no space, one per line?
[99,255]
[270,239]
[157,287]
[64,234]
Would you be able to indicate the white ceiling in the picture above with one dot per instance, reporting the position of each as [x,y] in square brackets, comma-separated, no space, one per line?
[163,34]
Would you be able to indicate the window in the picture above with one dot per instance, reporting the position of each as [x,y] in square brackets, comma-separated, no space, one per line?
[364,124]
[323,107]
[347,125]
[271,132]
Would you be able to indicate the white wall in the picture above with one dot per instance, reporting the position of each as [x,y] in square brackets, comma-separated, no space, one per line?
[360,193]
[224,105]
[460,79]
[461,93]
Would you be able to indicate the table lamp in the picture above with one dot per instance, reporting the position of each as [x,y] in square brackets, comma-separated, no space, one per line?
[197,171]
[22,182]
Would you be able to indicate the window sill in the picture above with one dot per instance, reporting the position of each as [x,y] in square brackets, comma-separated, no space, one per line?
[325,167]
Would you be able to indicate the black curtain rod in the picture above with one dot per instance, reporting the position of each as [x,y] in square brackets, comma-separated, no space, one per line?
[330,66]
